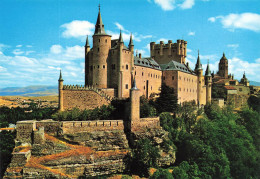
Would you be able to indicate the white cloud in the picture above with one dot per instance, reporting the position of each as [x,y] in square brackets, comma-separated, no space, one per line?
[56,49]
[17,52]
[119,26]
[233,45]
[191,33]
[3,47]
[55,68]
[187,4]
[163,39]
[29,52]
[166,5]
[249,21]
[257,60]
[75,52]
[29,46]
[2,69]
[77,29]
[18,46]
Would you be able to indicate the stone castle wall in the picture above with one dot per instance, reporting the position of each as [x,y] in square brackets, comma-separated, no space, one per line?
[24,131]
[83,99]
[70,127]
[145,123]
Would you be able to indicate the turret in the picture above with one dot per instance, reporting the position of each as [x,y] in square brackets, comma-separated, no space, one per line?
[120,59]
[223,67]
[101,47]
[199,72]
[244,80]
[161,47]
[170,47]
[152,44]
[60,92]
[131,48]
[135,105]
[87,65]
[208,82]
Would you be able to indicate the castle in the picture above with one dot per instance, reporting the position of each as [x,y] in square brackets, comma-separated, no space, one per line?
[111,67]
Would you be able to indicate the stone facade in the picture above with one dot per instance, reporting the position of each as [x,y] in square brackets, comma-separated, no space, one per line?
[109,64]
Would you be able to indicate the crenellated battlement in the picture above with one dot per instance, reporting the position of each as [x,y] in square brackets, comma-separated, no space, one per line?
[88,88]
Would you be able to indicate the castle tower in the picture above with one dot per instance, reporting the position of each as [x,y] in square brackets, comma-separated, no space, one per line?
[87,58]
[131,48]
[135,105]
[101,47]
[208,82]
[223,67]
[120,64]
[60,92]
[199,72]
[244,80]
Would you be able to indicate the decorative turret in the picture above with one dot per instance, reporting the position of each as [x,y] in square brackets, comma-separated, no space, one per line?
[131,48]
[60,92]
[208,83]
[120,40]
[87,43]
[131,43]
[99,28]
[198,64]
[223,67]
[199,72]
[98,58]
[244,80]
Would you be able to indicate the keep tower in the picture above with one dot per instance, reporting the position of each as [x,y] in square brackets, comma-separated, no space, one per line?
[199,72]
[100,52]
[223,67]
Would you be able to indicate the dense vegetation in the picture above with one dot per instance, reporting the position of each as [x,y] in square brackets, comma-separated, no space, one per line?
[210,142]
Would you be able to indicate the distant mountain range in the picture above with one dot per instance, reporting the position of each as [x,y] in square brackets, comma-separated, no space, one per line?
[39,90]
[29,91]
[254,83]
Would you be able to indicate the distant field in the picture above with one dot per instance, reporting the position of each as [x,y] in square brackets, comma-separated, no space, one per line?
[15,101]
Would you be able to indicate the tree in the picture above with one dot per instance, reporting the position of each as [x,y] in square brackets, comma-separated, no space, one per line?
[167,101]
[161,173]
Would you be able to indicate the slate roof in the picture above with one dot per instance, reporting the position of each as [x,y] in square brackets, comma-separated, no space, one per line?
[114,44]
[147,62]
[173,65]
[230,88]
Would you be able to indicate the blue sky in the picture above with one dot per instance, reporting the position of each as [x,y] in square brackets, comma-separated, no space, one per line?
[39,37]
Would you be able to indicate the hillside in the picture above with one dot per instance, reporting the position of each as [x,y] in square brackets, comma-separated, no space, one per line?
[29,91]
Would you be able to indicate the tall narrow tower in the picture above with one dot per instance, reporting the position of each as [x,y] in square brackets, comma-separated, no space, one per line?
[101,46]
[199,72]
[208,82]
[120,65]
[135,106]
[131,47]
[87,64]
[60,92]
[223,67]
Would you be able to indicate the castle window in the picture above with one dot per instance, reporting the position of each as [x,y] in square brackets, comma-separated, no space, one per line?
[126,67]
[106,40]
[104,66]
[98,40]
[135,72]
[126,86]
[138,61]
[144,87]
[151,88]
[98,49]
[184,78]
[240,89]
[94,67]
[158,52]
[179,89]
[156,76]
[98,66]
[142,73]
[164,78]
[91,68]
[172,77]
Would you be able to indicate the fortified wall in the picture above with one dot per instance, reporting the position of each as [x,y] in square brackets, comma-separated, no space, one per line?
[83,97]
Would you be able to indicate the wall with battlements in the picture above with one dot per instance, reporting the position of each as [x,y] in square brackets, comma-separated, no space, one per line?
[84,97]
[71,127]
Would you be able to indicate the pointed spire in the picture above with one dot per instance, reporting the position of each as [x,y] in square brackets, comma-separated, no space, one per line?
[244,75]
[99,28]
[131,40]
[60,78]
[120,40]
[87,43]
[208,72]
[134,85]
[224,54]
[198,64]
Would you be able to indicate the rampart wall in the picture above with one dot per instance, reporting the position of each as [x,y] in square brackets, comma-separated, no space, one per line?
[144,124]
[24,131]
[84,97]
[50,126]
[70,127]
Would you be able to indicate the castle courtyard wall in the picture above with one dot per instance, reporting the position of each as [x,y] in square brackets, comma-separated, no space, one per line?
[83,99]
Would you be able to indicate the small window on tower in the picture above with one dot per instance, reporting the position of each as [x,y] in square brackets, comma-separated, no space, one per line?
[98,66]
[126,86]
[172,77]
[164,78]
[98,40]
[106,40]
[98,49]
[135,72]
[104,66]
[142,73]
[126,67]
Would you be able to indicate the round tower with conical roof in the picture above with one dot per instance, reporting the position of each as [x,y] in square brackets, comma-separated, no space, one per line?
[60,92]
[101,47]
[199,72]
[223,67]
[208,82]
